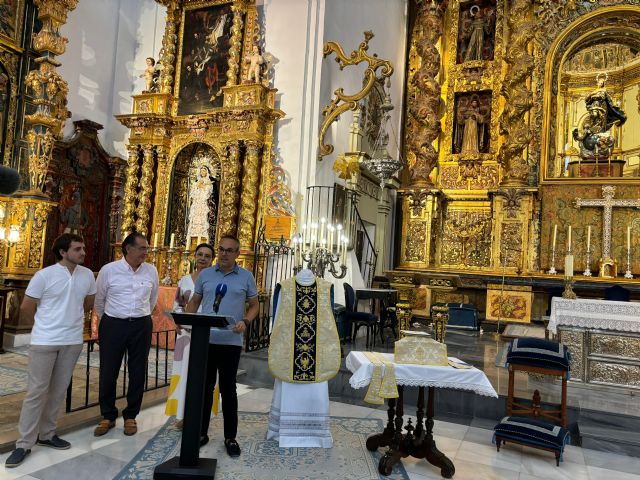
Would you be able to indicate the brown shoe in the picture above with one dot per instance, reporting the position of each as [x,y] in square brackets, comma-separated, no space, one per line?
[130,427]
[103,427]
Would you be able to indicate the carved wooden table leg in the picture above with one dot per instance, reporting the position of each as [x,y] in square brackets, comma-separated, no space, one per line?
[384,439]
[395,452]
[428,447]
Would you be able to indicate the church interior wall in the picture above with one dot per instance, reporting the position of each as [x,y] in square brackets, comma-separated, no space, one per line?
[105,55]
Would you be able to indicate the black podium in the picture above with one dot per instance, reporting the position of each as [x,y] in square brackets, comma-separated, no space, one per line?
[189,465]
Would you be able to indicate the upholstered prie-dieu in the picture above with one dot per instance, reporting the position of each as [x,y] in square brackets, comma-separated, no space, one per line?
[541,353]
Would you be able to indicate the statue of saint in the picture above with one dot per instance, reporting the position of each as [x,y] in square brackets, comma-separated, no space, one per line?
[593,133]
[470,128]
[255,60]
[199,194]
[475,31]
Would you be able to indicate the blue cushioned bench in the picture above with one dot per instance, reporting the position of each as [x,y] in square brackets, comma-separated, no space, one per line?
[548,358]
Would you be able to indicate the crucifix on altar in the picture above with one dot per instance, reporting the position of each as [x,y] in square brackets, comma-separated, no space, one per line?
[608,265]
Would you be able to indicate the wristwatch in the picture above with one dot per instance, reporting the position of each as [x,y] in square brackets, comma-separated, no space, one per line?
[246,322]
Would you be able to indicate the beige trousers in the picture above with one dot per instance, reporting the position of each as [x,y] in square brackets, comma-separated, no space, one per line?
[50,370]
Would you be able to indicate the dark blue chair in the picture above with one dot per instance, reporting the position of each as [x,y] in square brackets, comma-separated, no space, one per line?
[356,319]
[463,315]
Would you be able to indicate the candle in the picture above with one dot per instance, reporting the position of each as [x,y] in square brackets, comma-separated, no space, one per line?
[155,240]
[304,234]
[331,230]
[344,250]
[173,240]
[323,222]
[555,235]
[629,237]
[589,238]
[569,239]
[568,266]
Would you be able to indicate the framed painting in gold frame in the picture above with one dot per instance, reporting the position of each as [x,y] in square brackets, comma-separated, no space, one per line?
[11,12]
[203,61]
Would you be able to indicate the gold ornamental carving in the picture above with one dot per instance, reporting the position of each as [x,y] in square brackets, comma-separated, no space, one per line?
[342,102]
[467,239]
[423,120]
[130,187]
[250,174]
[416,241]
[169,46]
[513,122]
[236,44]
[231,188]
[143,210]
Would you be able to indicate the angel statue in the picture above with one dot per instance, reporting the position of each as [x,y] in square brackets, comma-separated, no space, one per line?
[151,76]
[470,127]
[255,61]
[593,132]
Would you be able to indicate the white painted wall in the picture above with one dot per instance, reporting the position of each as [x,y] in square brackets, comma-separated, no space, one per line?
[108,43]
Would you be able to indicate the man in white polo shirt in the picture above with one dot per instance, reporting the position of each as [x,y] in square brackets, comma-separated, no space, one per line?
[56,299]
[127,292]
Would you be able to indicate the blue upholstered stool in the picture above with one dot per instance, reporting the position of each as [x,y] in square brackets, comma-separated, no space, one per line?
[548,358]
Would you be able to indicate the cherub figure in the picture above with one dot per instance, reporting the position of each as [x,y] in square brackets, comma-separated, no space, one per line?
[150,76]
[255,61]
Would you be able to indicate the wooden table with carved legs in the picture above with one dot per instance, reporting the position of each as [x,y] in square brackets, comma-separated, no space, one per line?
[418,440]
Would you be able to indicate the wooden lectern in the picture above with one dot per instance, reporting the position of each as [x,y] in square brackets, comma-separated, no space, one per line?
[189,465]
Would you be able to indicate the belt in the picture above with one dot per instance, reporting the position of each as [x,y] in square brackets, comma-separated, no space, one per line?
[128,319]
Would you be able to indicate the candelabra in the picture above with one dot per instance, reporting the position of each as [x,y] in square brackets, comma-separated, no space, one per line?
[553,270]
[321,253]
[169,261]
[587,270]
[154,255]
[628,273]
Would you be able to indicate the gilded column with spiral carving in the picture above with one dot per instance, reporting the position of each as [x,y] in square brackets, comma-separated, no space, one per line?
[236,44]
[48,89]
[146,186]
[518,98]
[423,123]
[169,41]
[130,188]
[231,186]
[249,198]
[162,192]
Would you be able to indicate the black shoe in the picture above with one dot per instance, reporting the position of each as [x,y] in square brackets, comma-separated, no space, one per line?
[233,449]
[55,442]
[204,439]
[17,457]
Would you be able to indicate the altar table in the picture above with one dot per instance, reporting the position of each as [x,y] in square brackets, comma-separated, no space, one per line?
[603,337]
[418,441]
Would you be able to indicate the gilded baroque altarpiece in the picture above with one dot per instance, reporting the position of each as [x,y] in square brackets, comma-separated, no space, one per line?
[208,118]
[487,179]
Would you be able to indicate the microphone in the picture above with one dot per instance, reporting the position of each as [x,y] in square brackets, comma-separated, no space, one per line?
[9,180]
[221,291]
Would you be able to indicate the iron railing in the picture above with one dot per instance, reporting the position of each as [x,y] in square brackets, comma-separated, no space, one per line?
[365,250]
[153,379]
[273,262]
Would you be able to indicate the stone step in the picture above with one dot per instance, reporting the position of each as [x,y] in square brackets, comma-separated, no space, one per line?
[610,432]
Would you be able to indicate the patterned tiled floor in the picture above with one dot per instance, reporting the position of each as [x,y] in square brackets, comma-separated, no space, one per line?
[470,448]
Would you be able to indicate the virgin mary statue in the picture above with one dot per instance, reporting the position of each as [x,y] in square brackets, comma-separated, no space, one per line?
[199,193]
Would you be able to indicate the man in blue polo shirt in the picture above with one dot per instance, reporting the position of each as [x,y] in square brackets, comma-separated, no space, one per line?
[225,345]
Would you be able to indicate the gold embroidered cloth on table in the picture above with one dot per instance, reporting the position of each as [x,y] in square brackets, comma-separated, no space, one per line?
[304,345]
[383,385]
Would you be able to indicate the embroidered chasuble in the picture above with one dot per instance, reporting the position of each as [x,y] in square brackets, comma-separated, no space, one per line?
[304,345]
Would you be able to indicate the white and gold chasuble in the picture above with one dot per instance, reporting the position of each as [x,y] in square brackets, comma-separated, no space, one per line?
[304,345]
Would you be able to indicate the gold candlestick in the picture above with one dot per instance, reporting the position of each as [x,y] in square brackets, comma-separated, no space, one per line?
[568,290]
[169,266]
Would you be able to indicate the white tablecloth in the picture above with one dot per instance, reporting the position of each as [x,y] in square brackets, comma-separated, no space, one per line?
[469,379]
[595,314]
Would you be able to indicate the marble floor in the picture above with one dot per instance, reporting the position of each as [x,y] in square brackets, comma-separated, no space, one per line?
[469,447]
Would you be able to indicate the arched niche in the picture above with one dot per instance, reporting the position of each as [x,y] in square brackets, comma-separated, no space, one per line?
[194,195]
[603,43]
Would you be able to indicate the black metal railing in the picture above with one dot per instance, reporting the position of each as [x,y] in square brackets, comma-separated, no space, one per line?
[365,250]
[273,262]
[155,378]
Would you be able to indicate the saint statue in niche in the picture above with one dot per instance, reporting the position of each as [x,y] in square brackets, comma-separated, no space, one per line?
[593,132]
[471,119]
[476,34]
[199,193]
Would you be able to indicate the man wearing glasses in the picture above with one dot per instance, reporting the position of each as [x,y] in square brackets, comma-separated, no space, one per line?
[127,293]
[225,345]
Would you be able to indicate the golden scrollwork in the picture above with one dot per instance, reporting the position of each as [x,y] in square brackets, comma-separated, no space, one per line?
[130,187]
[467,239]
[236,44]
[169,41]
[248,200]
[416,241]
[341,102]
[513,122]
[423,104]
[146,186]
[231,188]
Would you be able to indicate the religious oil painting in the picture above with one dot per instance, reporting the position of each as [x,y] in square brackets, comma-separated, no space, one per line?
[204,57]
[8,17]
[472,123]
[476,30]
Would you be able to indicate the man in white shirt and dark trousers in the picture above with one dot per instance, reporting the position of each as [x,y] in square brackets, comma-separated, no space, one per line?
[56,299]
[127,292]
